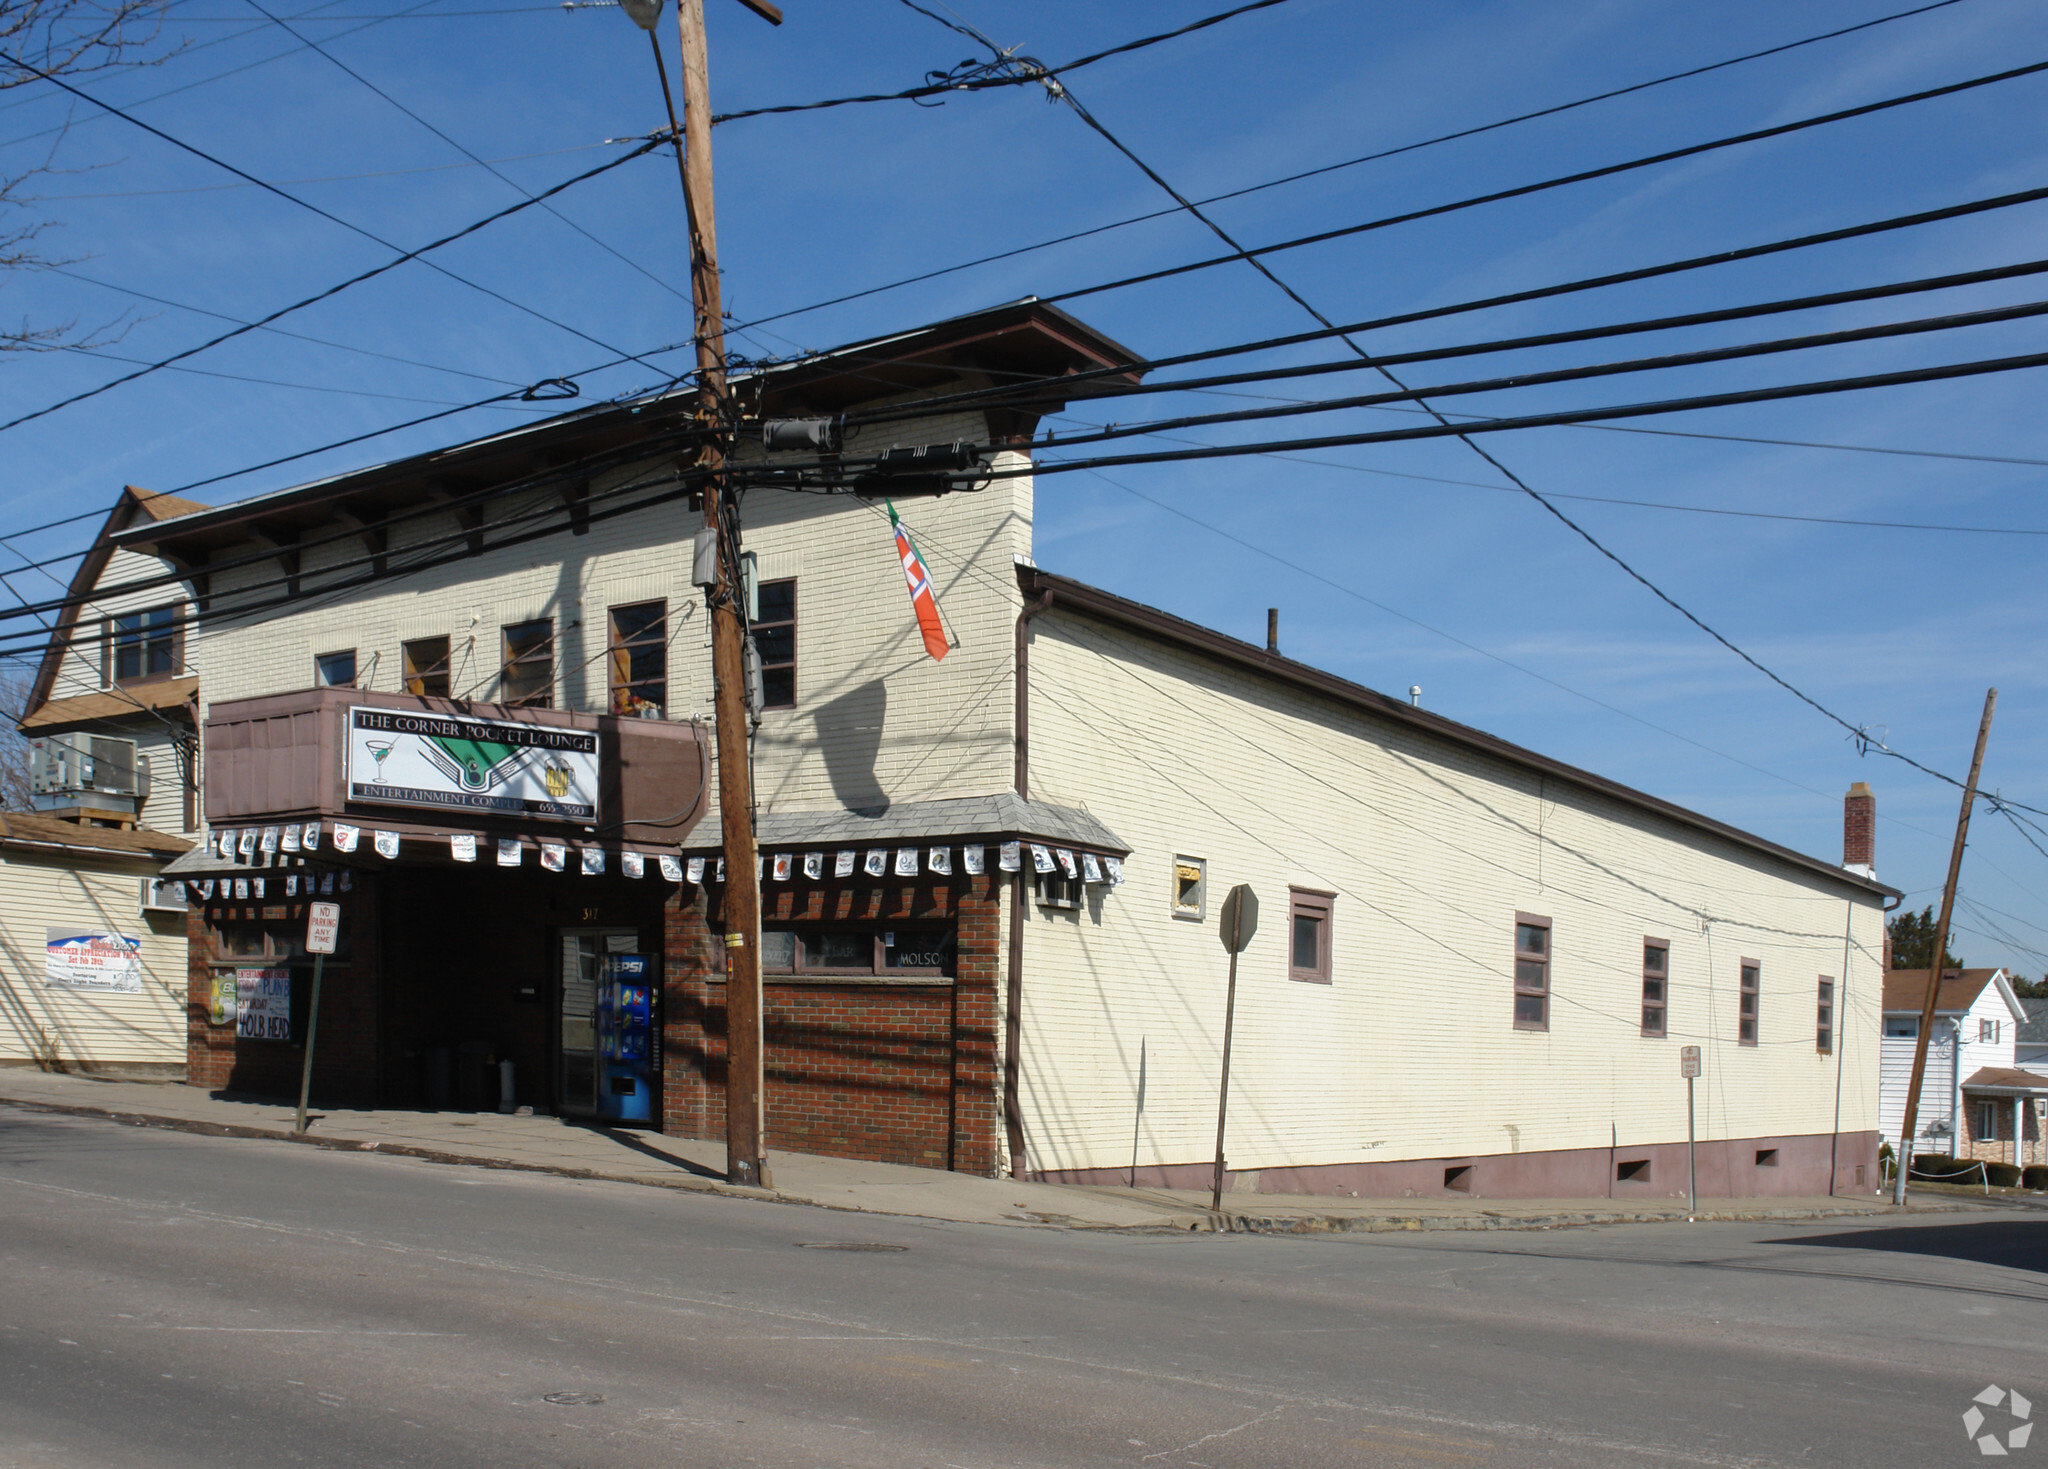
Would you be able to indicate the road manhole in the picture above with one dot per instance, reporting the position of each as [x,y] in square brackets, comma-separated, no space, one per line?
[856,1245]
[573,1399]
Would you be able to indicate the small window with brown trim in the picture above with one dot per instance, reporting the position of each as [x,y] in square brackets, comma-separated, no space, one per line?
[1656,982]
[145,645]
[335,670]
[774,634]
[528,677]
[1308,935]
[1824,1017]
[639,659]
[1532,972]
[1749,1002]
[425,665]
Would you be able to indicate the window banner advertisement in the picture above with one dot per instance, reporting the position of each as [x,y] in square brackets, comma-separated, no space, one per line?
[263,1004]
[92,959]
[220,1009]
[453,763]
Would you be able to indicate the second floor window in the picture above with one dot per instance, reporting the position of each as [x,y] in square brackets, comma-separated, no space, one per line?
[1824,1017]
[335,670]
[1746,1013]
[1987,1030]
[639,659]
[425,663]
[774,633]
[528,679]
[142,645]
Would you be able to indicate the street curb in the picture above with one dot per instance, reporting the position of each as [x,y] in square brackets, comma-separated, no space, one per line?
[1202,1221]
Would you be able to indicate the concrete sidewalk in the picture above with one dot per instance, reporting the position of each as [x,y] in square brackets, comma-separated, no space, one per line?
[584,1150]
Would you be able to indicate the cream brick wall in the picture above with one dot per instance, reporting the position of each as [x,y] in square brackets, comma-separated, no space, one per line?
[876,720]
[1411,1052]
[81,1025]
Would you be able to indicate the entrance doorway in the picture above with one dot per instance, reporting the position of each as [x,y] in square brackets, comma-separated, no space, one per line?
[578,1075]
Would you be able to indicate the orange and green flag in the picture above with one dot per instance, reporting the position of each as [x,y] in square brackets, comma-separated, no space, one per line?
[922,599]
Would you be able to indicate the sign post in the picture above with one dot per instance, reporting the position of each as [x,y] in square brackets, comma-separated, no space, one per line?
[323,924]
[1689,1068]
[1240,922]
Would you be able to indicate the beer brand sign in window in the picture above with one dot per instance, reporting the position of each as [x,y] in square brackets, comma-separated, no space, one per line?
[484,767]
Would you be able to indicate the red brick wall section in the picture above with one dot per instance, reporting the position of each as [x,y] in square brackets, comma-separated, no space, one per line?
[345,1060]
[894,1073]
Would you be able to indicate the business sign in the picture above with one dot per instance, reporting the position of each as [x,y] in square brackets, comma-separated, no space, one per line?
[88,959]
[263,1004]
[486,767]
[323,926]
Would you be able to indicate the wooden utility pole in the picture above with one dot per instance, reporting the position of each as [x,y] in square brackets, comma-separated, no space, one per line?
[744,1159]
[1927,1006]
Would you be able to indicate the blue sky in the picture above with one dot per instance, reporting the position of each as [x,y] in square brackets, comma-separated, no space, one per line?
[1424,571]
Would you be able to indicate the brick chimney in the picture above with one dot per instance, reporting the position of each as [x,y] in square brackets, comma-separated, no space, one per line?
[1859,830]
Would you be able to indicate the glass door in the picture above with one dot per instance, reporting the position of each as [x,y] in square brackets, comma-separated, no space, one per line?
[582,957]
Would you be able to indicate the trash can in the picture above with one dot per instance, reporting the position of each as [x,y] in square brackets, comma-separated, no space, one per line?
[476,1077]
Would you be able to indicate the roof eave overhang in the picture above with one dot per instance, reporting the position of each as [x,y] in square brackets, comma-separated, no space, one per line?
[1079,596]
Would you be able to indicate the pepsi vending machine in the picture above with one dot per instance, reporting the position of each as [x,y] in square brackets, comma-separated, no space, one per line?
[626,1059]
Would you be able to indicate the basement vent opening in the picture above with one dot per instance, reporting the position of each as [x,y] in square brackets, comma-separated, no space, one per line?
[1459,1179]
[1636,1170]
[1859,1173]
[1767,1157]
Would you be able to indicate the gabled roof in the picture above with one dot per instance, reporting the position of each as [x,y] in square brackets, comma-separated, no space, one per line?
[33,831]
[1074,596]
[1906,990]
[134,507]
[2034,1029]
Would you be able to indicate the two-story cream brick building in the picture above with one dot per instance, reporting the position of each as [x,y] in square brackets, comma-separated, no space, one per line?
[991,882]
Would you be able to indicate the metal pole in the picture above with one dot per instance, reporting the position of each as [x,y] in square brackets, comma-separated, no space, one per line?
[1692,1167]
[1836,1036]
[1927,1007]
[1223,1096]
[312,1030]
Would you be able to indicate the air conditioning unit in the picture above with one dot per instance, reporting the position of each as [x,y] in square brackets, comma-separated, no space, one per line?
[70,764]
[163,895]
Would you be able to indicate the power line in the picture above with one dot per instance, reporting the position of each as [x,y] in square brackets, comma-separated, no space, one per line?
[491,169]
[342,178]
[999,74]
[403,257]
[1581,176]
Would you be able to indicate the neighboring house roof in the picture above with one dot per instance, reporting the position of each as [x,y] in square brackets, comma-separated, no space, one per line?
[1906,989]
[83,709]
[31,831]
[2033,1030]
[1077,596]
[134,507]
[2004,1081]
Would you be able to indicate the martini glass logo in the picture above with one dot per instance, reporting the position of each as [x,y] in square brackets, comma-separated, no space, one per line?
[1978,1425]
[380,751]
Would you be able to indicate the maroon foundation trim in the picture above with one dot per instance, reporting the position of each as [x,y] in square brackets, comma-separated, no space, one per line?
[1745,1168]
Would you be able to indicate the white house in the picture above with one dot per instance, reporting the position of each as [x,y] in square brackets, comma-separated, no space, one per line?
[1975,1102]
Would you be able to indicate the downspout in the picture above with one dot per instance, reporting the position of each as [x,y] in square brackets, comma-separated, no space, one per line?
[1013,1019]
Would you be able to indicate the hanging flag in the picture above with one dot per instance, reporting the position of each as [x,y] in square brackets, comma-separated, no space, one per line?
[922,598]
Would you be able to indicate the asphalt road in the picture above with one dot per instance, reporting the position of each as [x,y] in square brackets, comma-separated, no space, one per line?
[169,1300]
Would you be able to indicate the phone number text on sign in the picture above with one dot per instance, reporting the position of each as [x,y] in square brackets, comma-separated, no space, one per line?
[263,1004]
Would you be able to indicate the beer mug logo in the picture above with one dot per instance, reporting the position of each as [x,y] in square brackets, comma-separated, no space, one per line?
[557,777]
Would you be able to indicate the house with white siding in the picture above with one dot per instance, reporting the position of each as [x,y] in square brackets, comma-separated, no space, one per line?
[991,881]
[1975,1101]
[92,938]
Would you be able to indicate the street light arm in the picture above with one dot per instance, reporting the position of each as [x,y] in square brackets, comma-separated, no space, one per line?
[770,13]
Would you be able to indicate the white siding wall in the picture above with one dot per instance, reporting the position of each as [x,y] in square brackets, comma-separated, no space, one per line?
[83,1026]
[1411,1052]
[876,720]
